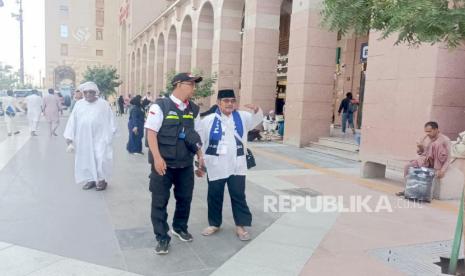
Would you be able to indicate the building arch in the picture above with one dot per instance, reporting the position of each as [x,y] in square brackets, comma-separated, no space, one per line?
[171,50]
[143,86]
[185,50]
[151,67]
[64,78]
[205,35]
[160,57]
[138,79]
[133,74]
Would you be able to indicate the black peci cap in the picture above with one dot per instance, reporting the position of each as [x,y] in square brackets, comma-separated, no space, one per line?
[226,93]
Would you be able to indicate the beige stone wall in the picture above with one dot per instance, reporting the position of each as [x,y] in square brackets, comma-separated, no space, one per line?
[81,40]
[405,88]
[208,35]
[145,12]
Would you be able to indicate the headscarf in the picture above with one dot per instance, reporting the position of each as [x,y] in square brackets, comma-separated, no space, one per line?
[136,101]
[89,86]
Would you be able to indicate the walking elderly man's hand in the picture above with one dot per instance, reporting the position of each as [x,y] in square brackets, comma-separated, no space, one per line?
[200,172]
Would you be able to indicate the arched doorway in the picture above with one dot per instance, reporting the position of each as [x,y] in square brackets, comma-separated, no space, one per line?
[143,85]
[151,80]
[65,81]
[205,39]
[160,61]
[204,54]
[123,61]
[138,82]
[185,54]
[133,74]
[171,53]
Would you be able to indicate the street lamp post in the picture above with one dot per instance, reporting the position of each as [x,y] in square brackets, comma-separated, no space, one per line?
[21,54]
[19,17]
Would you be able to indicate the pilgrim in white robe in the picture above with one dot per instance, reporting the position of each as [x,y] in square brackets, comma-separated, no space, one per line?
[34,109]
[225,165]
[91,127]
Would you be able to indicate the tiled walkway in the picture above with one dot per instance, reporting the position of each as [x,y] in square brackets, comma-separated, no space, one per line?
[50,226]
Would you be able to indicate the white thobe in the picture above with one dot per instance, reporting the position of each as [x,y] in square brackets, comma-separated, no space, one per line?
[225,165]
[34,109]
[91,127]
[10,121]
[269,125]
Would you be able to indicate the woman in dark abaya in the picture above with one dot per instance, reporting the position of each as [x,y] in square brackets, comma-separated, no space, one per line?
[136,126]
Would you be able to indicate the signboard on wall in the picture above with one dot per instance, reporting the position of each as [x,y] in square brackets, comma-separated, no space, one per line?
[364,52]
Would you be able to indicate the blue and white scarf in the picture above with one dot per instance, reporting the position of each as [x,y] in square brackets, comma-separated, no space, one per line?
[216,132]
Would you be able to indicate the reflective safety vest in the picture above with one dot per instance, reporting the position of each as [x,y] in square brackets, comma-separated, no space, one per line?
[176,124]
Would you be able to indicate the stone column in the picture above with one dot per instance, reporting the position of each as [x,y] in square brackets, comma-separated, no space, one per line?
[260,53]
[226,57]
[309,93]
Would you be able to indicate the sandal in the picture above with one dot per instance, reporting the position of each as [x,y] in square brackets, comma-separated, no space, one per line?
[244,236]
[101,185]
[210,230]
[89,185]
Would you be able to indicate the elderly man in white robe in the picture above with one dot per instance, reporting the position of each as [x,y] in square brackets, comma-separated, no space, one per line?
[89,133]
[223,135]
[34,109]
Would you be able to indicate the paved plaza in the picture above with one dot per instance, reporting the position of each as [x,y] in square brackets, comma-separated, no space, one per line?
[50,226]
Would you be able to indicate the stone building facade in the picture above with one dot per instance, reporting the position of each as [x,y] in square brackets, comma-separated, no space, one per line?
[276,54]
[78,34]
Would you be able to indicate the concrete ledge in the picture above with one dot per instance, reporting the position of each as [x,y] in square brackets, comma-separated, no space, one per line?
[450,186]
[373,170]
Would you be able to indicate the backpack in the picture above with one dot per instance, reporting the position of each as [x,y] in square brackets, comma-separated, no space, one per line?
[353,107]
[10,111]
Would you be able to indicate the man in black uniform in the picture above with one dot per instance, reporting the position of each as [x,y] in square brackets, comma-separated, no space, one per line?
[173,142]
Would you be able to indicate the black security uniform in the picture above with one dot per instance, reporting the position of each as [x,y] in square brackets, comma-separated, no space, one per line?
[177,142]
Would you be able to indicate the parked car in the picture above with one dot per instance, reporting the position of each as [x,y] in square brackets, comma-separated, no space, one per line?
[22,93]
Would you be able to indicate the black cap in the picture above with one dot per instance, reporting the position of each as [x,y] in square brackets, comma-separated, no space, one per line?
[185,77]
[226,93]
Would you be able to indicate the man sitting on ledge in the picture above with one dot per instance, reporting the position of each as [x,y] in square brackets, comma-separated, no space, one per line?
[433,151]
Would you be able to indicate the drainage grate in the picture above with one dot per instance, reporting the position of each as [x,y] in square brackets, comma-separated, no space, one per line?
[417,259]
[301,192]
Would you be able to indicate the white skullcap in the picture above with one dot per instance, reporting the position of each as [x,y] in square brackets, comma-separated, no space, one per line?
[89,86]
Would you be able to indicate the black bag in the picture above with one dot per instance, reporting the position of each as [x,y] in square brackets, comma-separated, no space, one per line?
[250,159]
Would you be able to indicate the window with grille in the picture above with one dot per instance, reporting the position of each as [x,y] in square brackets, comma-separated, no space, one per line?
[99,18]
[99,34]
[99,4]
[99,53]
[64,31]
[99,13]
[64,10]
